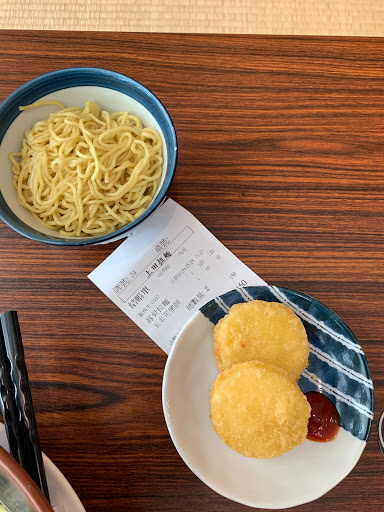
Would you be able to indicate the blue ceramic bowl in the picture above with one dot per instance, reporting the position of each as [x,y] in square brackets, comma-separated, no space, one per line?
[73,87]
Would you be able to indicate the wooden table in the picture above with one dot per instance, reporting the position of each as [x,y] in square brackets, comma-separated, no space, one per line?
[281,156]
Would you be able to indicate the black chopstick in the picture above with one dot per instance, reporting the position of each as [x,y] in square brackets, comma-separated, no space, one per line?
[21,424]
[8,405]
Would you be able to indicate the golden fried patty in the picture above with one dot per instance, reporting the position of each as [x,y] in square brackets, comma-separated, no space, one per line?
[267,331]
[258,410]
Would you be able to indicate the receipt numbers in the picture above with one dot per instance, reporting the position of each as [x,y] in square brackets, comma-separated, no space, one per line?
[177,266]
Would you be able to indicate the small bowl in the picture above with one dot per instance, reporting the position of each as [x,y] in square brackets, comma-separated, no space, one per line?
[18,492]
[74,87]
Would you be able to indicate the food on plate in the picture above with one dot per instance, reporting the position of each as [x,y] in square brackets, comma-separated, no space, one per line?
[86,172]
[258,410]
[267,331]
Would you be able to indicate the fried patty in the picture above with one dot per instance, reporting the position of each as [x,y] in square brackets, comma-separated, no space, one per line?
[258,410]
[267,331]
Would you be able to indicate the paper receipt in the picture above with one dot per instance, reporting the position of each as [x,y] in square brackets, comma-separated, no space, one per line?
[169,266]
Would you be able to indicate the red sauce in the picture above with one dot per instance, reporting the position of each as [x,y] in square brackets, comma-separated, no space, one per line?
[324,421]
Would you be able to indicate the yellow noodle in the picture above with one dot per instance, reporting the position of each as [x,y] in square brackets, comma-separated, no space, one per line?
[84,172]
[40,103]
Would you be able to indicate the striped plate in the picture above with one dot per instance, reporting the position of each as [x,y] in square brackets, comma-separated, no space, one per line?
[337,367]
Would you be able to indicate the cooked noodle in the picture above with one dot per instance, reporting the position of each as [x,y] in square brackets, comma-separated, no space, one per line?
[84,172]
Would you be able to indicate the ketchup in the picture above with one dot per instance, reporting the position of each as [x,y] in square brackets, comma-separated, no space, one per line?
[324,421]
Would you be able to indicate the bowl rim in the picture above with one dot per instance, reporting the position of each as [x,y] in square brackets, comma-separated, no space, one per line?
[62,79]
[23,482]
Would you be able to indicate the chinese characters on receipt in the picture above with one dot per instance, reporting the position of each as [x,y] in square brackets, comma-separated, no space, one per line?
[168,268]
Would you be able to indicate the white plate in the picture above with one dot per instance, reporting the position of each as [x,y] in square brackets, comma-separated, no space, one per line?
[63,497]
[306,472]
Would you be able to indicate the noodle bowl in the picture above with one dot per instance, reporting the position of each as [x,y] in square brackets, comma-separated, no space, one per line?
[112,92]
[83,172]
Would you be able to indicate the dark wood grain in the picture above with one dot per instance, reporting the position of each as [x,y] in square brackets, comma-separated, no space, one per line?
[281,156]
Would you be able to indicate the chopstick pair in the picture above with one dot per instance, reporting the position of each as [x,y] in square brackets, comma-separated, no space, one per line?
[16,402]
